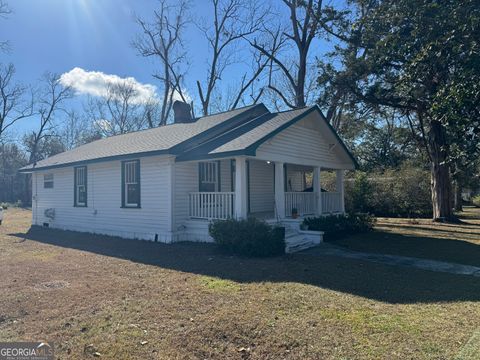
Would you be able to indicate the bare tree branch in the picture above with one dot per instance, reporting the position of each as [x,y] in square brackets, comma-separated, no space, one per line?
[305,20]
[121,110]
[13,105]
[52,97]
[162,39]
[233,21]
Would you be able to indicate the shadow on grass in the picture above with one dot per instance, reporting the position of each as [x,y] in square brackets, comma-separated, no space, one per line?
[448,248]
[375,281]
[456,231]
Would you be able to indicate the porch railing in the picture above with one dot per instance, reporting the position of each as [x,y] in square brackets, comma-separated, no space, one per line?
[211,205]
[331,202]
[304,202]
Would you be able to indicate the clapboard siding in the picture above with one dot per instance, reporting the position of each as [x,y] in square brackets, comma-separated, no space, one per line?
[301,143]
[262,196]
[186,181]
[226,175]
[104,214]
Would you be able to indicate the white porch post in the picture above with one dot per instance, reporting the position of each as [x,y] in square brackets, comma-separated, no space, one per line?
[279,189]
[240,188]
[317,189]
[340,189]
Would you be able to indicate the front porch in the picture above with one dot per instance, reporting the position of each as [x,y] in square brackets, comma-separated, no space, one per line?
[263,189]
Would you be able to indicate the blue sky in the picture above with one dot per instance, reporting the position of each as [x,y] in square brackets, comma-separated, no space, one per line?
[95,35]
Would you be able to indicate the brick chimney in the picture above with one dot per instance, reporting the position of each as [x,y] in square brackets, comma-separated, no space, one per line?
[182,113]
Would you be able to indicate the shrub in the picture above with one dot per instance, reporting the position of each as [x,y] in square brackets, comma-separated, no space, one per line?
[361,193]
[251,237]
[4,206]
[338,226]
[404,192]
[476,200]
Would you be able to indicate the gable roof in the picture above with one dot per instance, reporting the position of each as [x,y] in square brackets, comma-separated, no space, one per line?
[236,132]
[168,139]
[239,140]
[246,139]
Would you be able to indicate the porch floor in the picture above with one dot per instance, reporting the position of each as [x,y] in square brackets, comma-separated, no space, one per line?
[263,215]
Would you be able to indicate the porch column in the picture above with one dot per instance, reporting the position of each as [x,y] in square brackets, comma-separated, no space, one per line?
[279,189]
[240,188]
[317,189]
[340,189]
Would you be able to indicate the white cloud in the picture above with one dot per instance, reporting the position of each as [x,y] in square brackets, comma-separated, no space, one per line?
[96,83]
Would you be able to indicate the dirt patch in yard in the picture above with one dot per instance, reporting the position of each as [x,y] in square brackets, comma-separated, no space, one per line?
[127,299]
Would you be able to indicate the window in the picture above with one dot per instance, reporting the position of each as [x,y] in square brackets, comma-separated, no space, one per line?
[48,181]
[80,185]
[131,184]
[208,174]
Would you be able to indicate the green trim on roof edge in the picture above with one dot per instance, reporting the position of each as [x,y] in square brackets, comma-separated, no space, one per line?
[202,139]
[251,150]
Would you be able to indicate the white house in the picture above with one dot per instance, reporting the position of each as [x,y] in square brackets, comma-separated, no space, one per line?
[167,183]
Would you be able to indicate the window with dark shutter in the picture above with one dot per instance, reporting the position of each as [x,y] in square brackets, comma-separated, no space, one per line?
[131,184]
[80,186]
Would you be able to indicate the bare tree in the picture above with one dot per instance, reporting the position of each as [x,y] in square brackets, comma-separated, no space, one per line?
[13,105]
[76,130]
[290,76]
[162,39]
[51,98]
[233,21]
[120,111]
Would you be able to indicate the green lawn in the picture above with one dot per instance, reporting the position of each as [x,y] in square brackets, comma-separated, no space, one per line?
[127,299]
[459,243]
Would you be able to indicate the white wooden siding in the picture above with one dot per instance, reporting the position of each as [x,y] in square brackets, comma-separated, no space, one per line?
[186,181]
[304,143]
[262,196]
[225,175]
[104,214]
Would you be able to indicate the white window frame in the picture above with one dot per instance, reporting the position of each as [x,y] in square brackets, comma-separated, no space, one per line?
[208,174]
[81,182]
[48,181]
[130,173]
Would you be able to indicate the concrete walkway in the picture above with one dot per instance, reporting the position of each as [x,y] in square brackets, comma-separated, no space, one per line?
[424,264]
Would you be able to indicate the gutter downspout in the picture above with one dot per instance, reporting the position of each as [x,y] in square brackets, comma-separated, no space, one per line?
[36,193]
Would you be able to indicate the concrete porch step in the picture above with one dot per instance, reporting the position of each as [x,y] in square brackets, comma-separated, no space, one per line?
[298,243]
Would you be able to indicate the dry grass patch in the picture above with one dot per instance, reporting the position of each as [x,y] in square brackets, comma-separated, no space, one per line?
[126,299]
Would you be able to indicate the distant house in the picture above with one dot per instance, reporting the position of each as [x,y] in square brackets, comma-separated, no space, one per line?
[167,183]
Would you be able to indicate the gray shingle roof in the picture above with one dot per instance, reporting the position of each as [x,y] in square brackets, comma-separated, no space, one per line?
[156,140]
[237,132]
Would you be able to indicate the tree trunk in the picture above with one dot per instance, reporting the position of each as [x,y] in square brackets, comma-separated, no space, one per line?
[458,197]
[440,174]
